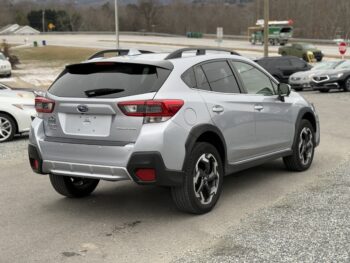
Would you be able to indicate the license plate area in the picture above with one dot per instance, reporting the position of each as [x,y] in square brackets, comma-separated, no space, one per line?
[88,125]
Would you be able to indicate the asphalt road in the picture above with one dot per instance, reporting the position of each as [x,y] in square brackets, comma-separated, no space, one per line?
[152,43]
[123,222]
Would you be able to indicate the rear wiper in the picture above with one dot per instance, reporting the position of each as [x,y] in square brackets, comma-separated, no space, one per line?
[101,92]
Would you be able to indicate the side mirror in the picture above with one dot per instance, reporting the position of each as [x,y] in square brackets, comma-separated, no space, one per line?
[8,59]
[283,90]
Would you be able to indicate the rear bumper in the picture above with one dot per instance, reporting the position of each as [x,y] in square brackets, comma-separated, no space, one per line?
[5,72]
[138,160]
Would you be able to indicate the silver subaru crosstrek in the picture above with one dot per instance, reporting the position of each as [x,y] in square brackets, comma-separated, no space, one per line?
[182,120]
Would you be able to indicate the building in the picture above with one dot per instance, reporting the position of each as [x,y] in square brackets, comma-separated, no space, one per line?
[16,29]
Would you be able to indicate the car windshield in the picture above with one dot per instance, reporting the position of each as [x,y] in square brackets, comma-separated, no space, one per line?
[344,65]
[327,65]
[2,57]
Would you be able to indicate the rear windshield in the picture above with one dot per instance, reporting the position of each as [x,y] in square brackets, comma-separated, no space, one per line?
[108,80]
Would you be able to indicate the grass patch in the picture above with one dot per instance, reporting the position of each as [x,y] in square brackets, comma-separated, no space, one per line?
[54,54]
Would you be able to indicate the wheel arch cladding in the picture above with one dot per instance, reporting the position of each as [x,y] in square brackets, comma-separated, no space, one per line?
[206,133]
[305,114]
[311,118]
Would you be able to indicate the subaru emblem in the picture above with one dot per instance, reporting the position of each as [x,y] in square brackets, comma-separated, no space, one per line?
[82,108]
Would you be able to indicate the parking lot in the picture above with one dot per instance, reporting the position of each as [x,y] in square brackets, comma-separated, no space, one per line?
[264,212]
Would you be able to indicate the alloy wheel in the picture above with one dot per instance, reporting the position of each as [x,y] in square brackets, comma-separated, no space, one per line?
[306,145]
[206,178]
[347,85]
[5,129]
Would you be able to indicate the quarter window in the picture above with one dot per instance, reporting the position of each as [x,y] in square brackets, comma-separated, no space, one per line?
[189,78]
[254,80]
[220,77]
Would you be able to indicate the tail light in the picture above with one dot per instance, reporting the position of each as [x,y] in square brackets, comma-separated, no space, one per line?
[44,105]
[151,110]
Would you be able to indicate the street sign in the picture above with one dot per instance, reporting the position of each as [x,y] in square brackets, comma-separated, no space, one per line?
[342,48]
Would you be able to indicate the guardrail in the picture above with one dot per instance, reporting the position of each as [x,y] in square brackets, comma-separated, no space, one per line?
[211,36]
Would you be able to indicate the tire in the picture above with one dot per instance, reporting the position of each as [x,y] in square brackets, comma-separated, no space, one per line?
[324,90]
[8,128]
[73,187]
[319,59]
[346,86]
[283,53]
[193,196]
[303,148]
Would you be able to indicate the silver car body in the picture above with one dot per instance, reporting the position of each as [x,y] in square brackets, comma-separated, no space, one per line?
[254,127]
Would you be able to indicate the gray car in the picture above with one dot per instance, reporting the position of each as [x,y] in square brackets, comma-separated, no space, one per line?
[301,80]
[182,120]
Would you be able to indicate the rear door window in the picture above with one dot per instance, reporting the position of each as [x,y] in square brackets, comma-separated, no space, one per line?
[220,77]
[108,80]
[202,81]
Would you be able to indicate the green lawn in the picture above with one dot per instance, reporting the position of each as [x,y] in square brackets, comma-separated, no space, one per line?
[53,54]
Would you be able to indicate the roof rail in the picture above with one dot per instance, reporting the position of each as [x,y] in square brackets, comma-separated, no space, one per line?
[199,51]
[120,52]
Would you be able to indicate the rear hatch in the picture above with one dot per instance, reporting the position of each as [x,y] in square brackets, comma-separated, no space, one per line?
[85,101]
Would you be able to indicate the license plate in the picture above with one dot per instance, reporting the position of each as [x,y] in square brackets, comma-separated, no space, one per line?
[88,125]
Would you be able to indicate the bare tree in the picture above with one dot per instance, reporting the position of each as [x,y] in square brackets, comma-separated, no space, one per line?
[149,10]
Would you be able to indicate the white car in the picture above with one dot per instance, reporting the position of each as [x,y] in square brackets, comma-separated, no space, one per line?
[16,112]
[5,66]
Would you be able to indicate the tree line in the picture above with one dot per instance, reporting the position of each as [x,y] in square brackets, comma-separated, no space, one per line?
[312,18]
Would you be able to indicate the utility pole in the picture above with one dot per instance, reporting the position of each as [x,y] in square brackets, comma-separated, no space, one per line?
[43,20]
[116,23]
[266,27]
[257,10]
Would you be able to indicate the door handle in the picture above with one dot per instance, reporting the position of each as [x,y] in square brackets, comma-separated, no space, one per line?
[218,109]
[258,107]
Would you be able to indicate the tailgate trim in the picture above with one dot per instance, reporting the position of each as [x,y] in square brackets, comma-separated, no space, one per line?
[87,141]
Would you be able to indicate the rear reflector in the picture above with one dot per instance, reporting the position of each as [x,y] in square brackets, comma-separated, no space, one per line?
[151,108]
[146,175]
[34,164]
[44,105]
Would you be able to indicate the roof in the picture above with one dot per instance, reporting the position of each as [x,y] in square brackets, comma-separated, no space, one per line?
[185,57]
[158,59]
[9,29]
[26,30]
[18,30]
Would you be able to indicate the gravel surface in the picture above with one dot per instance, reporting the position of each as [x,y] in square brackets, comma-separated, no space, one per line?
[14,150]
[309,225]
